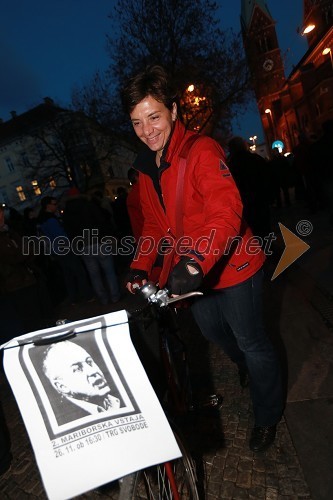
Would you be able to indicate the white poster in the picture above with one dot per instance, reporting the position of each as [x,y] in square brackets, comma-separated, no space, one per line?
[88,406]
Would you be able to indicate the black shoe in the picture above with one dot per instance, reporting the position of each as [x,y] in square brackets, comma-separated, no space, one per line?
[243,378]
[262,438]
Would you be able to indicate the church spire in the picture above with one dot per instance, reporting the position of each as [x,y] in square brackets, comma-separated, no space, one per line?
[264,60]
[248,7]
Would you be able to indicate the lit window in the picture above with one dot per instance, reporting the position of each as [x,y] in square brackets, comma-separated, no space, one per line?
[20,193]
[36,188]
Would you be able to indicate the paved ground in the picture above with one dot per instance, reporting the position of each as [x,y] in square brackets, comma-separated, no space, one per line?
[298,466]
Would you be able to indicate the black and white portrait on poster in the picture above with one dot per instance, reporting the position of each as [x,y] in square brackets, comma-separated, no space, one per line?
[85,398]
[77,381]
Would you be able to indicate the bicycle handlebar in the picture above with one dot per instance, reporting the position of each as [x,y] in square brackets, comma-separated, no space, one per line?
[161,297]
[149,291]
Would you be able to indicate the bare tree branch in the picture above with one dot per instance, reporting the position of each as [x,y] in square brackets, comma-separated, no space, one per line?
[185,37]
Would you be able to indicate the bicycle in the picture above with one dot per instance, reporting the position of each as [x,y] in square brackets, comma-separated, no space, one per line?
[176,480]
[171,480]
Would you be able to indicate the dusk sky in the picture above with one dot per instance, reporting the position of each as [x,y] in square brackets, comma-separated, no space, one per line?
[48,46]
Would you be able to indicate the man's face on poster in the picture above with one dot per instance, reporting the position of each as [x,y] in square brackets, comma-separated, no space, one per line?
[74,373]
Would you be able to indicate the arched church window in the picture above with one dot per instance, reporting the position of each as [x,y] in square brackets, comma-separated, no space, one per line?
[259,45]
[269,43]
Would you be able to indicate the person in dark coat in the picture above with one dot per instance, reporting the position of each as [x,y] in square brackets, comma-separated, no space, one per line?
[120,212]
[280,171]
[19,304]
[71,266]
[85,220]
[306,171]
[251,174]
[321,153]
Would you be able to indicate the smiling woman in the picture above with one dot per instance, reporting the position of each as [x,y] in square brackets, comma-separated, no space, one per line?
[153,123]
[193,195]
[152,108]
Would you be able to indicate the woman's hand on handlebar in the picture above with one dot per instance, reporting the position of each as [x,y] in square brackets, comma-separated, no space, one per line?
[132,287]
[185,277]
[135,279]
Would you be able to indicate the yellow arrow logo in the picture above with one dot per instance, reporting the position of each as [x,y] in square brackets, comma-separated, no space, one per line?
[295,247]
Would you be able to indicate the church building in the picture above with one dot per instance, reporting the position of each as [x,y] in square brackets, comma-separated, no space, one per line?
[298,103]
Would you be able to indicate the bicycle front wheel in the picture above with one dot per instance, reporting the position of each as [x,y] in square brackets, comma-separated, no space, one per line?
[156,483]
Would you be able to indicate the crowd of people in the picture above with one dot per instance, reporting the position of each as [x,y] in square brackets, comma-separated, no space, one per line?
[33,283]
[221,198]
[266,183]
[50,270]
[64,253]
[313,160]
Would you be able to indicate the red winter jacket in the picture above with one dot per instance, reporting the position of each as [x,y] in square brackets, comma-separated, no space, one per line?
[212,213]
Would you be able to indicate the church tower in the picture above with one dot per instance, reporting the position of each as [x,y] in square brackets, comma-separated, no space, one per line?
[301,103]
[265,62]
[320,14]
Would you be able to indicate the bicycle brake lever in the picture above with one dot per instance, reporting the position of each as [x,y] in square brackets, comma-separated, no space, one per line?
[185,296]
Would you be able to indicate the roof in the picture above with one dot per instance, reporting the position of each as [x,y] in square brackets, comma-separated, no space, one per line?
[22,124]
[248,7]
[309,53]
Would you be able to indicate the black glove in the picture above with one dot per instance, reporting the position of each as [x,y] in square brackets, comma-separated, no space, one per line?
[135,277]
[181,280]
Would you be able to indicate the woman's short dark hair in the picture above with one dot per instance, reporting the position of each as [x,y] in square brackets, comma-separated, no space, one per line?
[154,81]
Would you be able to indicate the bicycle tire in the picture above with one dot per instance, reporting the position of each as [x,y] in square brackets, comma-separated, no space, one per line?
[153,483]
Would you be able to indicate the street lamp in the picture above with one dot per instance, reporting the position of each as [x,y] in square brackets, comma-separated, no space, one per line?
[253,139]
[268,112]
[196,107]
[326,51]
[307,29]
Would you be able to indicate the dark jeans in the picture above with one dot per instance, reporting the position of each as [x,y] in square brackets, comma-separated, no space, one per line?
[233,319]
[103,276]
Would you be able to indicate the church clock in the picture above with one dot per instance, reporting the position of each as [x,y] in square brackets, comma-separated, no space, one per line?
[268,65]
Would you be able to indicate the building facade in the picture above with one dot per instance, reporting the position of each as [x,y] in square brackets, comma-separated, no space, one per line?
[47,149]
[298,104]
